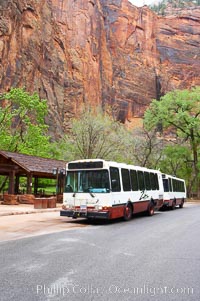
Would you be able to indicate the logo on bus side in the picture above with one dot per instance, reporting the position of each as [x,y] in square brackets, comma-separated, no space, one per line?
[143,195]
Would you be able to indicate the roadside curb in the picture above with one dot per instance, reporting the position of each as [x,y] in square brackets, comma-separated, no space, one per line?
[193,202]
[34,211]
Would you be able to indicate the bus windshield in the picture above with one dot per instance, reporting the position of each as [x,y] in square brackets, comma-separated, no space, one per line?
[92,181]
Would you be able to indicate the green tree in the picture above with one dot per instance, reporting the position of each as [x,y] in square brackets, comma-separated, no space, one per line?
[22,123]
[179,113]
[175,161]
[146,148]
[94,134]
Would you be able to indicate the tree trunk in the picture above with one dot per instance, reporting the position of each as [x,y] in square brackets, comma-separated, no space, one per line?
[196,169]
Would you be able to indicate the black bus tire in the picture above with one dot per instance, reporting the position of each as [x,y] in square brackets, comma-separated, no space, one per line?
[181,204]
[173,206]
[151,209]
[128,212]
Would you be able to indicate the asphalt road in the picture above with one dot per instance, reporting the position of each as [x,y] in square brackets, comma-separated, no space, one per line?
[147,258]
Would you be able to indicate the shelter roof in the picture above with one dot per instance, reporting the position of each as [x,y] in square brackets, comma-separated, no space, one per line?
[22,163]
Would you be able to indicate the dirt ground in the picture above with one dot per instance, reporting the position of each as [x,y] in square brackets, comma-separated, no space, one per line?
[21,226]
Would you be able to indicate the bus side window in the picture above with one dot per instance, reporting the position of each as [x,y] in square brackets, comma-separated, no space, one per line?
[182,187]
[174,185]
[170,184]
[153,181]
[126,179]
[156,181]
[115,180]
[147,180]
[141,180]
[134,180]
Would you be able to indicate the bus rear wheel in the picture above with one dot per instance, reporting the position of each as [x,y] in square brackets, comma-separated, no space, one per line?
[128,212]
[173,206]
[150,210]
[181,204]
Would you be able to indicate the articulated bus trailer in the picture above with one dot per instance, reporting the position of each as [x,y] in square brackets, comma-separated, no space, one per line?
[174,191]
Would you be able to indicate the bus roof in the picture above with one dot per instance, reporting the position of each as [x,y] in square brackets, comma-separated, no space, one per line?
[105,164]
[166,176]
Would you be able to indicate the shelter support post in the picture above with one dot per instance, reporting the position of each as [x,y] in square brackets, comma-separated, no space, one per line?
[29,184]
[36,185]
[17,184]
[11,188]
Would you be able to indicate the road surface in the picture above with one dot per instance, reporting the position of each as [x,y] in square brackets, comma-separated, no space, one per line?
[147,258]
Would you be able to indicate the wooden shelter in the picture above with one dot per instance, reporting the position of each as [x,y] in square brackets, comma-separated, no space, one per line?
[16,165]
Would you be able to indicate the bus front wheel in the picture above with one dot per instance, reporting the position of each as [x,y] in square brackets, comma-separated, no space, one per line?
[128,212]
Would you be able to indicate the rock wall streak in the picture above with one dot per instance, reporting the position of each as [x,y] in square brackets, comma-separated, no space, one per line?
[96,52]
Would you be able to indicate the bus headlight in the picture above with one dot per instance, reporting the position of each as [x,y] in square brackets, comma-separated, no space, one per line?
[67,206]
[97,207]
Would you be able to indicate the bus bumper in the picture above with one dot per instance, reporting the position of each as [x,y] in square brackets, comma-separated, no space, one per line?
[85,214]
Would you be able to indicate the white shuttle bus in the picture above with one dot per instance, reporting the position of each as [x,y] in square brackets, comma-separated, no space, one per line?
[107,190]
[174,191]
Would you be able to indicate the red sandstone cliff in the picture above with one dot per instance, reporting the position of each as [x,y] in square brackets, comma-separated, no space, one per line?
[97,52]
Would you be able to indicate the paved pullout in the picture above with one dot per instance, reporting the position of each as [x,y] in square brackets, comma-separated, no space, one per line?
[147,258]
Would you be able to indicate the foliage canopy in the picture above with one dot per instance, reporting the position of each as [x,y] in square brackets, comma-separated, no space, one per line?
[96,135]
[22,123]
[178,112]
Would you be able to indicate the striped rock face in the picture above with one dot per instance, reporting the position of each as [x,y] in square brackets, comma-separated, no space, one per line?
[97,52]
